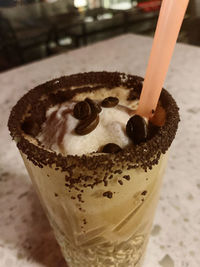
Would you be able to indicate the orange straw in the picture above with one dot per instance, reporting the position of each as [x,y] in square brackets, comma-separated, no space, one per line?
[169,23]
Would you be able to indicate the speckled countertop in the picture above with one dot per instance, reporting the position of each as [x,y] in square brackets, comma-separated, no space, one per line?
[26,239]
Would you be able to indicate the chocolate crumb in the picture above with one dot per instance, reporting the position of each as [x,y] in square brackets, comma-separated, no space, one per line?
[72,197]
[56,195]
[118,171]
[127,177]
[84,221]
[144,193]
[79,196]
[105,182]
[76,188]
[120,182]
[67,178]
[108,194]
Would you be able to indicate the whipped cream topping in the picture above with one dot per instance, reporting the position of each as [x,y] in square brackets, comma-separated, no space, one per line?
[58,130]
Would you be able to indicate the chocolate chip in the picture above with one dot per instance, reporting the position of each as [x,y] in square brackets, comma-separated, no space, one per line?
[88,125]
[136,129]
[30,127]
[110,102]
[111,148]
[82,110]
[95,107]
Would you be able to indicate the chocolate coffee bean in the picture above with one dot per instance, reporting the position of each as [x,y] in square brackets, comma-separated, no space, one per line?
[82,110]
[110,102]
[136,129]
[88,125]
[111,148]
[30,127]
[95,107]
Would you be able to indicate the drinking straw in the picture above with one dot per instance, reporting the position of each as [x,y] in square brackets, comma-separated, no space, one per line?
[169,23]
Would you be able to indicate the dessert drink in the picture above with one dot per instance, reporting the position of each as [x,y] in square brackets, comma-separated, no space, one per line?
[96,165]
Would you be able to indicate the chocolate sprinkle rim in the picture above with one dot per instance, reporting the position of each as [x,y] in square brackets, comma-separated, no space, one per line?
[144,155]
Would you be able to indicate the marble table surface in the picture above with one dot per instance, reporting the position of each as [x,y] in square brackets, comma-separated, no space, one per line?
[26,239]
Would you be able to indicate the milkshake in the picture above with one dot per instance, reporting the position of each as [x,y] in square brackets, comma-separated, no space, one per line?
[96,165]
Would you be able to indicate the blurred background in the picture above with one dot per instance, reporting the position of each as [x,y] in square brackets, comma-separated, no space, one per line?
[34,29]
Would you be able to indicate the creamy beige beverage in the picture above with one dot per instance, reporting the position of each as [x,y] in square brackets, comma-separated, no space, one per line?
[97,175]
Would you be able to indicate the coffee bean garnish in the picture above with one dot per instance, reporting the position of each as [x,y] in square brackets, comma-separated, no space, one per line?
[30,127]
[111,148]
[136,129]
[82,110]
[88,125]
[110,102]
[95,107]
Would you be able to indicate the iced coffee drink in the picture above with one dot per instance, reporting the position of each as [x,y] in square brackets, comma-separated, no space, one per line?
[97,166]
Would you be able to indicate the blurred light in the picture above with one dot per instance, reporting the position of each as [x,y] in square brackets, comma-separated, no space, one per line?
[51,1]
[135,3]
[65,41]
[105,16]
[88,19]
[121,6]
[80,3]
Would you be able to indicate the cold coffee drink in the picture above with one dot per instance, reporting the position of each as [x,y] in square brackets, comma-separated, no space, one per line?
[97,166]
